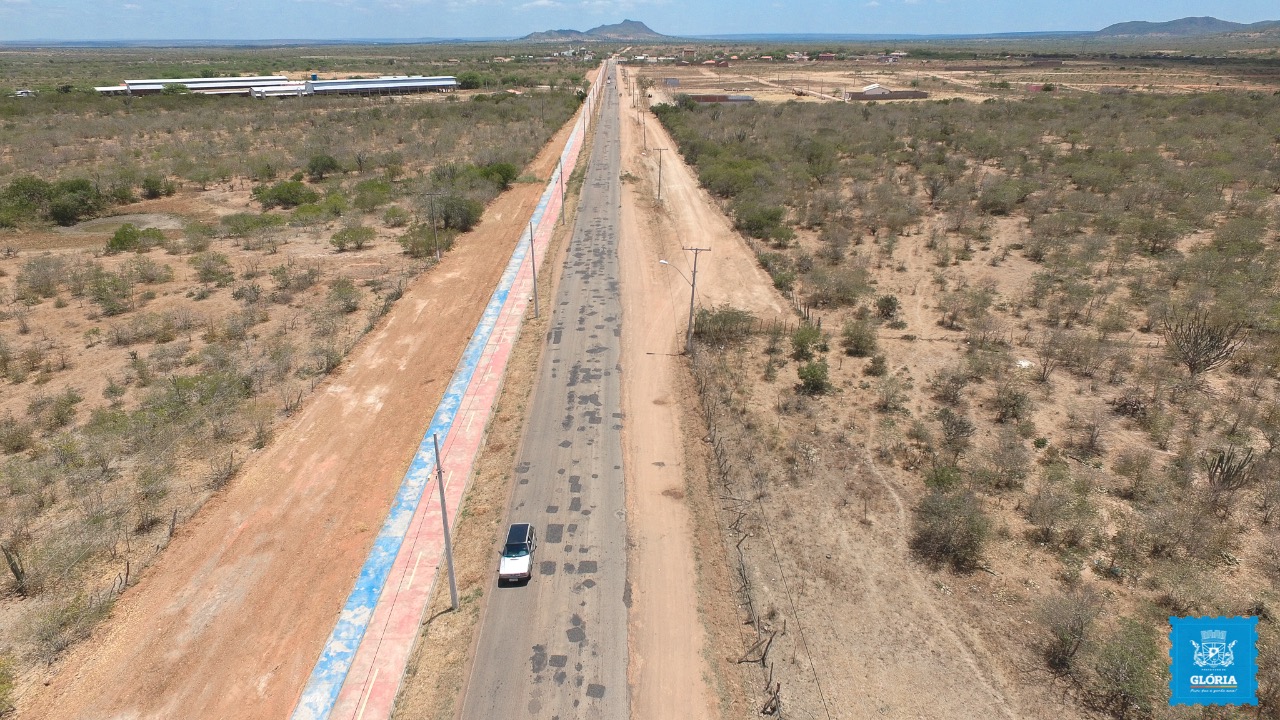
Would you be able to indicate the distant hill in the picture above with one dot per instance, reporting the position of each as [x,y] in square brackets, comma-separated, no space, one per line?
[1186,27]
[627,31]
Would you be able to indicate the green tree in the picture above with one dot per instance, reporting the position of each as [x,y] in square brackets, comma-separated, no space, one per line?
[154,186]
[74,203]
[1011,402]
[372,194]
[763,222]
[395,217]
[501,174]
[1000,197]
[814,378]
[858,338]
[286,194]
[887,306]
[1155,235]
[128,237]
[322,164]
[806,340]
[355,237]
[1127,675]
[29,192]
[459,213]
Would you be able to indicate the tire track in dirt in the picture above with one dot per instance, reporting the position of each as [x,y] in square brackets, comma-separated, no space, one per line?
[970,648]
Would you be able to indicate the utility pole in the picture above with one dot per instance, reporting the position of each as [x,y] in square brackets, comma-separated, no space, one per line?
[444,518]
[644,136]
[435,241]
[660,151]
[533,264]
[693,293]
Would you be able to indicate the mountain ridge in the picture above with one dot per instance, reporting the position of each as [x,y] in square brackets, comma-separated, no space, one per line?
[1185,27]
[625,30]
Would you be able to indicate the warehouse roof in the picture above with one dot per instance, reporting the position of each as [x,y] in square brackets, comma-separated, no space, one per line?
[385,83]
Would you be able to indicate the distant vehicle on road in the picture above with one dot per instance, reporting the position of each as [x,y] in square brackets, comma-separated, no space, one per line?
[517,554]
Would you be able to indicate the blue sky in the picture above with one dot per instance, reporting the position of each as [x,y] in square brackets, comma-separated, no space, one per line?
[354,19]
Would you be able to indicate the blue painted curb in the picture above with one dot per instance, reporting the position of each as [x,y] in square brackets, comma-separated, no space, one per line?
[322,688]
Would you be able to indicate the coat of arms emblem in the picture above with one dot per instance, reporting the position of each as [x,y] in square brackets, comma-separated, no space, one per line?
[1213,650]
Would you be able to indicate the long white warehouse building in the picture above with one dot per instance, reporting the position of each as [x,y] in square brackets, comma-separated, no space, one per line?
[204,86]
[281,86]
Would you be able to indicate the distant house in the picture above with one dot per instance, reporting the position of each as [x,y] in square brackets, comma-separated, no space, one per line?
[827,57]
[688,53]
[877,92]
[766,57]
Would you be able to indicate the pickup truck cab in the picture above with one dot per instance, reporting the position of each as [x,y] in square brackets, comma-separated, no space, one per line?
[517,553]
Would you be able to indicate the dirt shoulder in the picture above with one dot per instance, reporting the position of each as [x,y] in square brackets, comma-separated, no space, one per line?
[682,620]
[231,618]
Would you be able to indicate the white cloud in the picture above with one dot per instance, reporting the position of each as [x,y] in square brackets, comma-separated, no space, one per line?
[538,4]
[599,6]
[132,6]
[874,3]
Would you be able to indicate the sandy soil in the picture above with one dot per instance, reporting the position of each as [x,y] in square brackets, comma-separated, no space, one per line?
[775,82]
[230,620]
[670,669]
[859,625]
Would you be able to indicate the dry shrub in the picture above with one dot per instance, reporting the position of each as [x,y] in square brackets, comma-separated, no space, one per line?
[1188,527]
[61,622]
[1067,619]
[950,529]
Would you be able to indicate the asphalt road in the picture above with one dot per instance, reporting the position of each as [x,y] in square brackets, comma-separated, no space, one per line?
[556,647]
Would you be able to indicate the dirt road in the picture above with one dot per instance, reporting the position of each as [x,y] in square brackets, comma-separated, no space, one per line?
[668,670]
[228,623]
